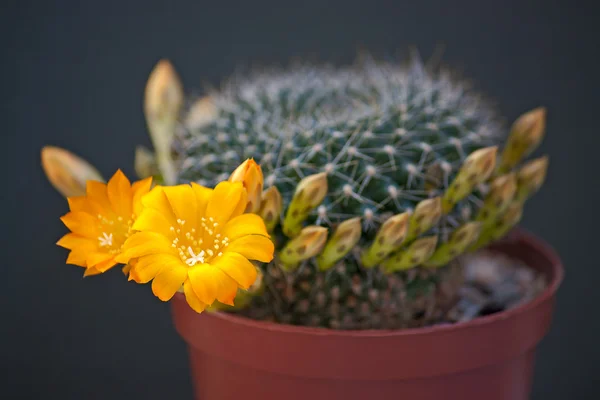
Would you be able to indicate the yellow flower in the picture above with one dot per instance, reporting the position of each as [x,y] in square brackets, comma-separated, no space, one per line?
[101,221]
[198,239]
[251,176]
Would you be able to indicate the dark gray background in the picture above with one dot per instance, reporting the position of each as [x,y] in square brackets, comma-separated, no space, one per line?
[73,76]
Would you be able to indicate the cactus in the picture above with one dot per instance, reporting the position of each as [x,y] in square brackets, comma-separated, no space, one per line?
[377,177]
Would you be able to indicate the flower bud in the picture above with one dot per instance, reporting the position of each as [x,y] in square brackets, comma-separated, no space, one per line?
[67,172]
[250,174]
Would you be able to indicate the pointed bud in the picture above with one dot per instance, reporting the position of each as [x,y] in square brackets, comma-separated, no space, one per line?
[459,240]
[427,213]
[201,113]
[416,254]
[271,206]
[500,227]
[501,194]
[531,177]
[525,136]
[250,174]
[476,169]
[434,176]
[67,172]
[310,192]
[145,163]
[389,238]
[309,242]
[343,240]
[162,104]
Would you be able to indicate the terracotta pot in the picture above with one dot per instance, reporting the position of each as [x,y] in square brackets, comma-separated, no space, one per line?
[489,358]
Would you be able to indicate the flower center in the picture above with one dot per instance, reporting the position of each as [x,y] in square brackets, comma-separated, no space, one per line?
[114,232]
[201,245]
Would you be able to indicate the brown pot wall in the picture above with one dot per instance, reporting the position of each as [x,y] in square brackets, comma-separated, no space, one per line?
[489,358]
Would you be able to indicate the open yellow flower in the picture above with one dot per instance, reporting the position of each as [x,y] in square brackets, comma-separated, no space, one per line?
[198,239]
[101,221]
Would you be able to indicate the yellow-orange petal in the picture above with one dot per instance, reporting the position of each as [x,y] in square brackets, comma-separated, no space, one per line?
[104,266]
[81,223]
[191,298]
[94,258]
[77,203]
[241,206]
[182,200]
[157,200]
[77,257]
[74,241]
[139,189]
[211,283]
[253,247]
[148,267]
[245,224]
[126,269]
[96,191]
[144,243]
[91,271]
[119,194]
[237,267]
[168,282]
[224,200]
[203,195]
[150,220]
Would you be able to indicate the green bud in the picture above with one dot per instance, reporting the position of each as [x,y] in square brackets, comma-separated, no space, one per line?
[308,243]
[500,227]
[416,254]
[531,177]
[476,169]
[310,192]
[501,194]
[271,206]
[389,238]
[345,237]
[525,136]
[427,213]
[459,240]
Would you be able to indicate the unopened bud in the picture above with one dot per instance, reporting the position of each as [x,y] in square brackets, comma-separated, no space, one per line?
[345,237]
[459,240]
[67,172]
[310,192]
[531,177]
[389,238]
[525,136]
[416,254]
[271,206]
[308,243]
[251,176]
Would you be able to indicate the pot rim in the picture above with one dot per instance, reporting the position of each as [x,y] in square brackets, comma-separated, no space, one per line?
[541,247]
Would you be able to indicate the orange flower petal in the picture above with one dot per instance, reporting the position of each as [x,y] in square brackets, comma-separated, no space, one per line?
[151,220]
[157,200]
[74,241]
[126,269]
[77,203]
[139,189]
[168,281]
[210,283]
[253,247]
[104,266]
[91,271]
[119,194]
[77,257]
[191,298]
[224,201]
[237,267]
[144,243]
[243,225]
[81,223]
[94,258]
[182,200]
[96,191]
[148,267]
[203,195]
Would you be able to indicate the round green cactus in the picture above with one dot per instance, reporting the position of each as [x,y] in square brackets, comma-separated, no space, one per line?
[377,176]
